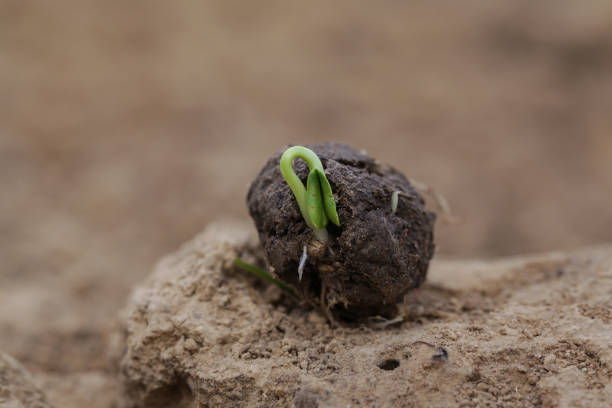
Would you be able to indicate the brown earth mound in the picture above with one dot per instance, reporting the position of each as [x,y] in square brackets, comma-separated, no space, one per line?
[521,332]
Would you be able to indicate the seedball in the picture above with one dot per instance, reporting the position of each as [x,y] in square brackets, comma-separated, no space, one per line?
[380,251]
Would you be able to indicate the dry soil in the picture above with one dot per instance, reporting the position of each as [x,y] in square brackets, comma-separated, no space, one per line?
[523,332]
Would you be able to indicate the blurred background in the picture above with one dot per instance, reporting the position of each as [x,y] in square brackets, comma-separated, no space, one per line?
[125,127]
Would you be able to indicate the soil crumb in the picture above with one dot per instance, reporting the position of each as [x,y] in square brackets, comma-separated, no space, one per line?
[519,332]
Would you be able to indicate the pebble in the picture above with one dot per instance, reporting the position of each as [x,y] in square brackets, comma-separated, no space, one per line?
[533,379]
[190,344]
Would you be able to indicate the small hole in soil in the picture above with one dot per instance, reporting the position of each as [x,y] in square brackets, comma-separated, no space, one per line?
[177,395]
[388,365]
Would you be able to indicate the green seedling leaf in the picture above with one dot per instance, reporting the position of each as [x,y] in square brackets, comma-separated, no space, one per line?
[328,198]
[265,276]
[314,201]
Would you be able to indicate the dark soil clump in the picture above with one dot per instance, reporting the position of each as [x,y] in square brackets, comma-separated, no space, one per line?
[373,258]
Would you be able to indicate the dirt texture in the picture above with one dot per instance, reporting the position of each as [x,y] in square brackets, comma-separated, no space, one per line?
[373,258]
[126,127]
[518,332]
[17,388]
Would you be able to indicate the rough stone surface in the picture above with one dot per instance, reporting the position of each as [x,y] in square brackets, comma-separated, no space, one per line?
[17,389]
[373,258]
[521,332]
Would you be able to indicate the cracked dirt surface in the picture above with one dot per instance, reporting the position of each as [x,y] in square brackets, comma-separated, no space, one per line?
[520,332]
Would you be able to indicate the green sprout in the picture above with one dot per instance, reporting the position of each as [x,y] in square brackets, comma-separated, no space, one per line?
[265,276]
[316,201]
[394,201]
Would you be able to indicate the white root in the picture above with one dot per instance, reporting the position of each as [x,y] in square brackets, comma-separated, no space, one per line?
[384,323]
[303,259]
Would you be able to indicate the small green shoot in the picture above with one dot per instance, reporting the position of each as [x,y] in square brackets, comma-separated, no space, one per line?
[316,201]
[394,201]
[265,276]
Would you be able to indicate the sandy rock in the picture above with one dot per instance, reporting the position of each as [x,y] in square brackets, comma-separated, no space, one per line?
[17,389]
[519,332]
